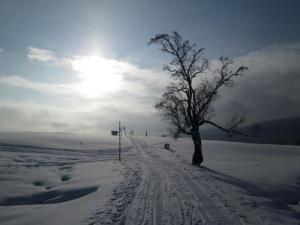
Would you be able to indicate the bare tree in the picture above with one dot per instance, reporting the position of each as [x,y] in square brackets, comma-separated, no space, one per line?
[187,102]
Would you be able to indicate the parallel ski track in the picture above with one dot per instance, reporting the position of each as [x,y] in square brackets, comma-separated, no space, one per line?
[164,192]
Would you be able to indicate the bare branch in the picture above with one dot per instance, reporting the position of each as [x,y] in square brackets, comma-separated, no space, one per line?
[232,128]
[183,105]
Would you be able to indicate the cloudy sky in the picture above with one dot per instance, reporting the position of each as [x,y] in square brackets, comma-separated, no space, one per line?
[82,65]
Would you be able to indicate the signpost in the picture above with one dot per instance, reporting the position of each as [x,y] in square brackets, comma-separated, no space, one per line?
[115,133]
[119,140]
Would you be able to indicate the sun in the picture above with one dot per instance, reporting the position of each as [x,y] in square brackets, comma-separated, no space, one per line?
[98,75]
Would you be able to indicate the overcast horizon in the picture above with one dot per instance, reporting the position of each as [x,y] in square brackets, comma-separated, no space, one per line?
[81,66]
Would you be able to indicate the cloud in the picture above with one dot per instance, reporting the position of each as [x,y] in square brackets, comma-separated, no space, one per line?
[95,73]
[83,117]
[271,87]
[59,125]
[41,55]
[20,82]
[131,79]
[132,102]
[1,50]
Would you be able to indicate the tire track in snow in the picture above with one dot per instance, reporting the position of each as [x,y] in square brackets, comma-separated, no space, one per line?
[166,193]
[147,206]
[194,205]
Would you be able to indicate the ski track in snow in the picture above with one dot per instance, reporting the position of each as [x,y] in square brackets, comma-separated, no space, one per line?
[152,186]
[159,191]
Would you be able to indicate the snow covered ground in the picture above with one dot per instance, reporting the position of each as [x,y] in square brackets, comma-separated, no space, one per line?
[261,182]
[76,179]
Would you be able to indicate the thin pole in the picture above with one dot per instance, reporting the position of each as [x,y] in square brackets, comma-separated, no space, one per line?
[119,140]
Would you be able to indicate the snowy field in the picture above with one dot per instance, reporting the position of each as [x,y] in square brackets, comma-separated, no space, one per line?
[77,179]
[275,169]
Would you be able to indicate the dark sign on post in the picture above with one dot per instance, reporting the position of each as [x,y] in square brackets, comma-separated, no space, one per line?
[114,132]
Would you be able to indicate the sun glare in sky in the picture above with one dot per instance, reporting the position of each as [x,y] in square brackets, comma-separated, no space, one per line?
[99,76]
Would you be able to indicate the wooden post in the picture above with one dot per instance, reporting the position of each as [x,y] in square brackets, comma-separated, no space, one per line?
[119,141]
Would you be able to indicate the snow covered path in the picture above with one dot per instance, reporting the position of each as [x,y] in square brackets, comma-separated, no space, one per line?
[158,190]
[69,179]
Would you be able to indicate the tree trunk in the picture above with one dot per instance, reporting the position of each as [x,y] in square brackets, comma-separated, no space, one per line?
[197,157]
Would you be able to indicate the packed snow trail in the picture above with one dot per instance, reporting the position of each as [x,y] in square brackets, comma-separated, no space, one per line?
[78,180]
[161,191]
